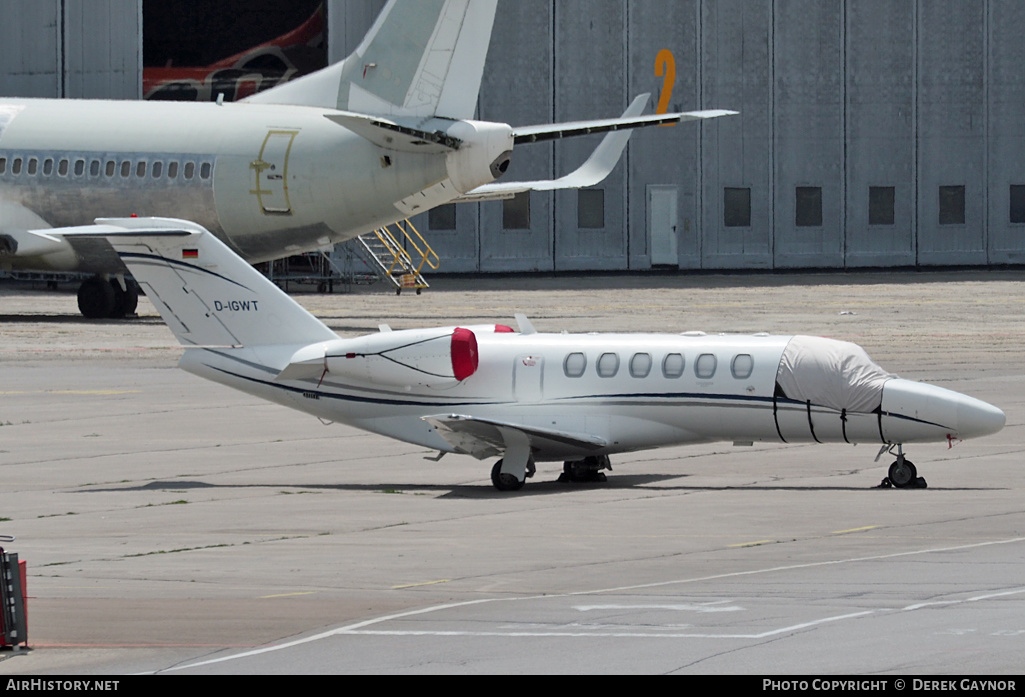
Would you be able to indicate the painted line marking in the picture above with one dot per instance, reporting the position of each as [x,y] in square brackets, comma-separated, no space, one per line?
[288,595]
[359,627]
[419,585]
[844,532]
[752,544]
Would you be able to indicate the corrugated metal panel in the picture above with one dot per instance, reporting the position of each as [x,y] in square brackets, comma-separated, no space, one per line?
[30,48]
[102,49]
[809,130]
[590,80]
[517,89]
[1005,82]
[880,130]
[737,151]
[664,156]
[951,128]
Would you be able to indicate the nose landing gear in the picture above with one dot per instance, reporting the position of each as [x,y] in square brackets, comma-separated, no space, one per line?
[902,474]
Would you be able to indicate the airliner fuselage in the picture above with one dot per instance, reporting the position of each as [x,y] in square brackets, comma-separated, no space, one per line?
[266,179]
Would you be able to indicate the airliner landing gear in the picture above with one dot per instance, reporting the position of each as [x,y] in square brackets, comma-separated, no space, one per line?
[587,470]
[903,474]
[99,298]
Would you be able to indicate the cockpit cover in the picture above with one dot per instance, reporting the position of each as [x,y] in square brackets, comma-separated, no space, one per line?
[832,374]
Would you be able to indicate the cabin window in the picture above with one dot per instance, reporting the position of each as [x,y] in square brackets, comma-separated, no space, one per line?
[63,167]
[172,170]
[673,365]
[33,166]
[48,167]
[205,169]
[80,167]
[94,167]
[640,365]
[126,169]
[190,170]
[3,165]
[608,365]
[705,366]
[743,366]
[111,168]
[140,170]
[575,365]
[16,166]
[157,169]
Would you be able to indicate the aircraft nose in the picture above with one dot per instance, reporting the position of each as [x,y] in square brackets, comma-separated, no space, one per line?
[976,418]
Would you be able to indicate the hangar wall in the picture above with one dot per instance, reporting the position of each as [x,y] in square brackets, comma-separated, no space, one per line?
[873,134]
[71,48]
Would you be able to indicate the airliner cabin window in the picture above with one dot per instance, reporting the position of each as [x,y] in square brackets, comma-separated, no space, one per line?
[16,166]
[140,170]
[48,167]
[111,168]
[190,170]
[63,167]
[575,365]
[80,167]
[94,167]
[172,170]
[204,171]
[673,365]
[3,165]
[33,166]
[157,169]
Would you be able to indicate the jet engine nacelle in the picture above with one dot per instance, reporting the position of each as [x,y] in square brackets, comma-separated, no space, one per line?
[436,358]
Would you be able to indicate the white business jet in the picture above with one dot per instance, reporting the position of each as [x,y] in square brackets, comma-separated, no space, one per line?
[525,397]
[380,137]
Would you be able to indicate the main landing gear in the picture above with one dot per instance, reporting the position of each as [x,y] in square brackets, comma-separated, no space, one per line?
[100,298]
[588,470]
[504,481]
[902,474]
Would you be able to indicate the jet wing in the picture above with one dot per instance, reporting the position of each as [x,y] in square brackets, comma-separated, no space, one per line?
[601,163]
[484,438]
[29,242]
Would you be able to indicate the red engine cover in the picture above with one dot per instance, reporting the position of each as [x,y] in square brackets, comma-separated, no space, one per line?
[464,354]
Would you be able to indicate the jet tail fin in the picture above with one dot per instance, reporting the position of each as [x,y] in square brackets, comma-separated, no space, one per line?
[206,294]
[419,59]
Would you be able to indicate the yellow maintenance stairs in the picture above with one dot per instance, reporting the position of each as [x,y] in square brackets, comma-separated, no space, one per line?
[399,252]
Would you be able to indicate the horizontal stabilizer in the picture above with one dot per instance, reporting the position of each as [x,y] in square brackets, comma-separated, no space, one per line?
[483,438]
[391,135]
[599,166]
[540,134]
[206,293]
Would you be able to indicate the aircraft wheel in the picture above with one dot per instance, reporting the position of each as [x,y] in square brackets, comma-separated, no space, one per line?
[903,474]
[126,302]
[96,298]
[504,482]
